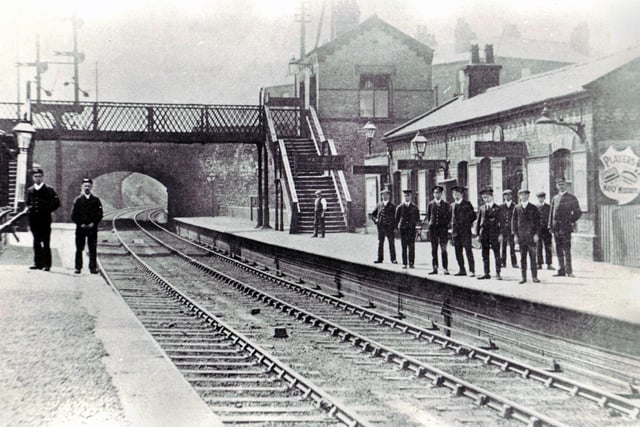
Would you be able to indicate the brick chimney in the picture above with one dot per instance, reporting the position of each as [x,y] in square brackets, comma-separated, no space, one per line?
[345,16]
[480,76]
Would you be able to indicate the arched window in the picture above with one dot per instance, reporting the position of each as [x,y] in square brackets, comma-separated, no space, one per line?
[484,176]
[561,167]
[463,174]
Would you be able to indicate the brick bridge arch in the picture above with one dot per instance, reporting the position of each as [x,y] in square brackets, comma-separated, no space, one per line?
[186,170]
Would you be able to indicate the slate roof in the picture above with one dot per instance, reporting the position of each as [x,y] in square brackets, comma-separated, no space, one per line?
[536,88]
[372,22]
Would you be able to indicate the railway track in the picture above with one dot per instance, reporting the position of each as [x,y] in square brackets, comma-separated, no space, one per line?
[241,382]
[428,360]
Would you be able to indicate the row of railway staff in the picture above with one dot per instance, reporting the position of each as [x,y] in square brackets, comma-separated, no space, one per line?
[498,227]
[42,201]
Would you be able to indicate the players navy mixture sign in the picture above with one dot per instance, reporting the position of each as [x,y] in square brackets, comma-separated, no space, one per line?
[618,175]
[500,149]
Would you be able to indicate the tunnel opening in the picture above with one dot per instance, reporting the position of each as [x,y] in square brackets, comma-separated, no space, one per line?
[120,190]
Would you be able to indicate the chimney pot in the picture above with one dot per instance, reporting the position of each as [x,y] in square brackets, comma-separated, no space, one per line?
[475,54]
[488,54]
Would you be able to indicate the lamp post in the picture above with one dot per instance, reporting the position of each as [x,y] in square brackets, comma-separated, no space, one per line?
[369,130]
[420,143]
[23,132]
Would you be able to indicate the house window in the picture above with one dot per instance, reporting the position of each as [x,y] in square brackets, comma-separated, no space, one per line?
[374,95]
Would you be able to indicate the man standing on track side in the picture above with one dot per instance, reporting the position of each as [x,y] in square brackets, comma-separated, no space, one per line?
[565,211]
[319,210]
[407,216]
[42,200]
[384,216]
[525,225]
[544,234]
[438,219]
[86,214]
[507,236]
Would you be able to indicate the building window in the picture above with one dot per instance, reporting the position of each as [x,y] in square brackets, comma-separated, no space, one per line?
[374,95]
[463,180]
[561,167]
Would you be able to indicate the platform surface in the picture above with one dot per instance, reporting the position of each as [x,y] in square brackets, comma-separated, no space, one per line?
[598,288]
[83,358]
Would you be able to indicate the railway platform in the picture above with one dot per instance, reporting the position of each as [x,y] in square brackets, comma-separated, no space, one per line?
[74,354]
[602,299]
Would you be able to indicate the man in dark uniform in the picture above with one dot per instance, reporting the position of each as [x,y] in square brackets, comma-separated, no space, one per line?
[86,214]
[507,236]
[42,200]
[319,209]
[462,217]
[407,216]
[489,230]
[384,216]
[565,211]
[544,234]
[525,225]
[438,219]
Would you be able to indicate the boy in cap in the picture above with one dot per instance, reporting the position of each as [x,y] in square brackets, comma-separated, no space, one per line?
[462,217]
[525,226]
[384,216]
[544,235]
[438,219]
[42,200]
[86,214]
[319,209]
[489,230]
[565,211]
[507,236]
[407,216]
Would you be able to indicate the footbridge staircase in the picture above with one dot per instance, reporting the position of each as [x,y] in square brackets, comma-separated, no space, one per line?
[305,161]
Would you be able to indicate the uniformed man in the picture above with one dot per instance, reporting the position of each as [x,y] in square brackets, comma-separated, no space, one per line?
[384,216]
[86,214]
[544,234]
[507,236]
[565,211]
[489,230]
[462,217]
[42,200]
[319,210]
[407,216]
[525,225]
[437,220]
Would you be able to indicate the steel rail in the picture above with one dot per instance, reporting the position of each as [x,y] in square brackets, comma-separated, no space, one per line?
[574,388]
[323,400]
[459,387]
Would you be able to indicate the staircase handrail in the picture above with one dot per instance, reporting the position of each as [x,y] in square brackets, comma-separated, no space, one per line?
[341,177]
[288,174]
[4,228]
[313,136]
[316,123]
[270,125]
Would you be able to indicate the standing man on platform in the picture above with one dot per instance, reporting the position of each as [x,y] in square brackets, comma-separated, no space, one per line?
[544,234]
[86,214]
[525,226]
[507,236]
[462,217]
[384,216]
[319,209]
[438,219]
[565,211]
[42,200]
[489,230]
[407,216]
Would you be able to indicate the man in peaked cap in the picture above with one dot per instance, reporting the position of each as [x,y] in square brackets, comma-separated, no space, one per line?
[489,231]
[42,200]
[462,217]
[525,225]
[438,219]
[565,211]
[384,216]
[544,234]
[86,214]
[319,210]
[407,216]
[507,236]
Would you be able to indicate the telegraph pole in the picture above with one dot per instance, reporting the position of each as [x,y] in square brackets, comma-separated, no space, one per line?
[78,57]
[303,18]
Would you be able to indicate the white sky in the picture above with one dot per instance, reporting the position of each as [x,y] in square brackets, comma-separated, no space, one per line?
[223,51]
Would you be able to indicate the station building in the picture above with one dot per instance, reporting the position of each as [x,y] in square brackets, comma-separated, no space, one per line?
[496,135]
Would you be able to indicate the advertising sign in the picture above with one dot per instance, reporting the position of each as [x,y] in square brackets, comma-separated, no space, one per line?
[618,175]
